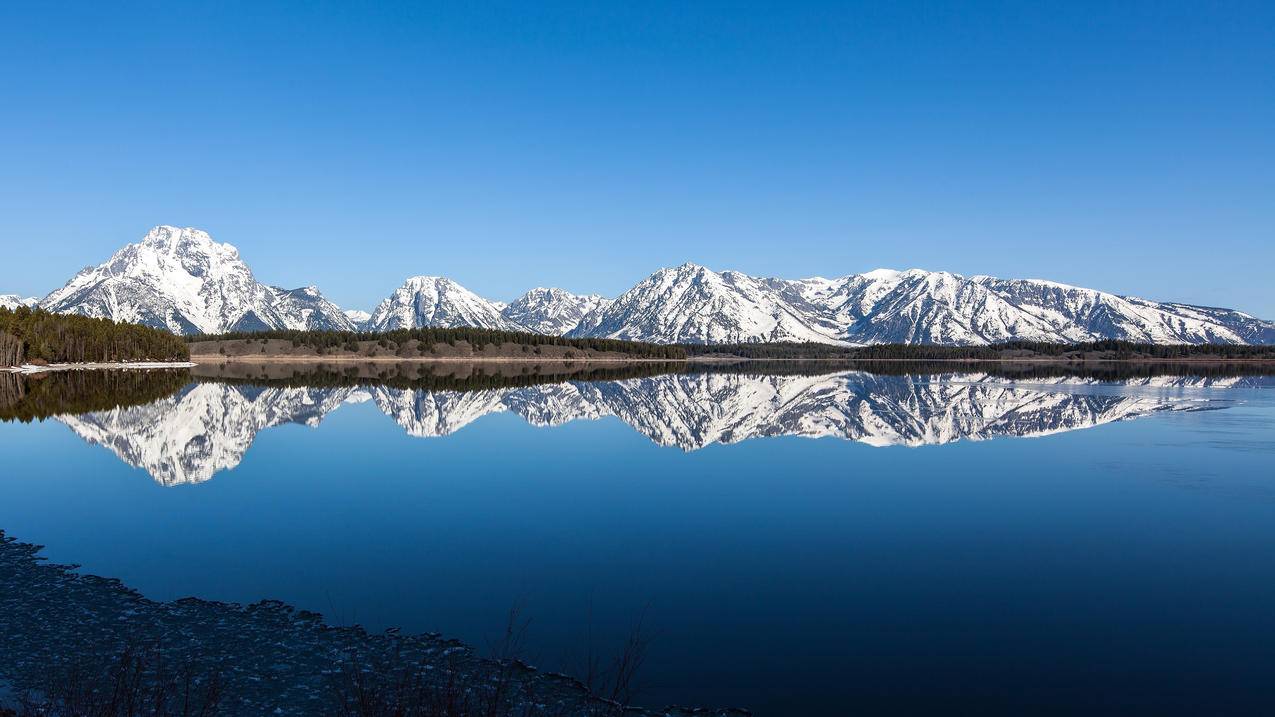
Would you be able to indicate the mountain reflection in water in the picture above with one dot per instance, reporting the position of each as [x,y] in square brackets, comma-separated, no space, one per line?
[185,429]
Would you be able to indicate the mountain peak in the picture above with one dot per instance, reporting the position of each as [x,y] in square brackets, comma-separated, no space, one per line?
[181,280]
[551,310]
[13,301]
[881,274]
[425,301]
[169,238]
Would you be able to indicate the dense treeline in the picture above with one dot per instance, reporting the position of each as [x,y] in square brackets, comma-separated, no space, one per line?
[1112,349]
[422,377]
[42,395]
[32,335]
[325,341]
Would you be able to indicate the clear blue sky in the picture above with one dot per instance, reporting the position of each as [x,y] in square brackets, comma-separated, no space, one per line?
[1124,146]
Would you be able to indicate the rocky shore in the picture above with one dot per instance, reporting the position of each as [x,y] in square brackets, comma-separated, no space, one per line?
[61,630]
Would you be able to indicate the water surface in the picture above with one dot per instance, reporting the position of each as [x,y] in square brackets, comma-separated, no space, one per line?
[824,539]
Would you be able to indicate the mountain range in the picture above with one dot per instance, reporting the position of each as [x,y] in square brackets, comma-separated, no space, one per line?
[182,280]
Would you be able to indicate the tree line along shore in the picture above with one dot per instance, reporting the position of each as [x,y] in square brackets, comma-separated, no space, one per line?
[488,344]
[34,336]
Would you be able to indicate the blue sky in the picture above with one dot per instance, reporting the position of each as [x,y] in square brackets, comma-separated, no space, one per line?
[1123,146]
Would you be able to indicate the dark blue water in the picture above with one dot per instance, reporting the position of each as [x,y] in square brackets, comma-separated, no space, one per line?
[951,544]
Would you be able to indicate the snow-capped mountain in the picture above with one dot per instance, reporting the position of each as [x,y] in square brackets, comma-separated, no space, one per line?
[692,304]
[435,301]
[182,280]
[358,318]
[208,427]
[13,301]
[551,311]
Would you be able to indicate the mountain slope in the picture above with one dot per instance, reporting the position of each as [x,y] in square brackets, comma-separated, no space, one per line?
[551,311]
[1102,315]
[182,280]
[13,301]
[358,318]
[435,301]
[692,304]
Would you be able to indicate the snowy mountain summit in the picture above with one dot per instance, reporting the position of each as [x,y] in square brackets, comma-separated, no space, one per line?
[551,311]
[436,301]
[693,304]
[13,301]
[182,280]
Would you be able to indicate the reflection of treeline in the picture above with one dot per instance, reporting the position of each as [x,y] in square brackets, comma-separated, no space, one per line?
[475,337]
[1099,370]
[488,376]
[423,378]
[30,397]
[28,335]
[38,396]
[1111,349]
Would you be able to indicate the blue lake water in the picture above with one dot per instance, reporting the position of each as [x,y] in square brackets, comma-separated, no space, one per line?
[936,542]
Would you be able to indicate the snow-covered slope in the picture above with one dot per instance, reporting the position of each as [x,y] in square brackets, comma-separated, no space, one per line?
[13,301]
[696,305]
[425,301]
[692,304]
[551,311]
[358,318]
[182,280]
[1086,313]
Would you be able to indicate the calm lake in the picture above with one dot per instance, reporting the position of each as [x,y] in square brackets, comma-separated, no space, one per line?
[818,539]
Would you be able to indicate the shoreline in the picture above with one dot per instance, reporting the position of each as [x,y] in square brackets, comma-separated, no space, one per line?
[205,359]
[98,366]
[266,358]
[87,622]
